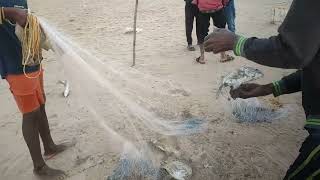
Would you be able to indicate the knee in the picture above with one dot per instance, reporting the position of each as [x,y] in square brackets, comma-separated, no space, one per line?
[31,115]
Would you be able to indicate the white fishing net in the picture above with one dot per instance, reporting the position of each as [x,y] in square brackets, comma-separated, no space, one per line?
[253,111]
[134,165]
[82,67]
[238,77]
[117,102]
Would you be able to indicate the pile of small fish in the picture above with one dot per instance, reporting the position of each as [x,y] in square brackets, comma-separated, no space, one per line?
[241,76]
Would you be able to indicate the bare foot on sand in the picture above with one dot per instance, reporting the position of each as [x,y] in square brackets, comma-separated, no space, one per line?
[200,60]
[46,171]
[56,149]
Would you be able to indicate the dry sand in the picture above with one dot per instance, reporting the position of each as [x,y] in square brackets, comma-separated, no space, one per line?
[165,77]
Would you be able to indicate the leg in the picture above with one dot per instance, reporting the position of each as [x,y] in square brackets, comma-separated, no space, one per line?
[189,18]
[230,13]
[201,58]
[196,15]
[44,131]
[204,24]
[219,20]
[30,131]
[307,164]
[25,93]
[50,148]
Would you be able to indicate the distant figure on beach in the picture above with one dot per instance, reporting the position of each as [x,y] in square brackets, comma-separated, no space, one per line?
[230,13]
[191,13]
[296,46]
[28,92]
[211,9]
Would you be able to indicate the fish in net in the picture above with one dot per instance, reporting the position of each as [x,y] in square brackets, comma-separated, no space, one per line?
[240,76]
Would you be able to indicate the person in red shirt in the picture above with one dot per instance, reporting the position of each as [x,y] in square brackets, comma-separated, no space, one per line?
[210,9]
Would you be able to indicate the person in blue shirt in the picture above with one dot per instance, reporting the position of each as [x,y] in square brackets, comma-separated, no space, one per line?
[28,92]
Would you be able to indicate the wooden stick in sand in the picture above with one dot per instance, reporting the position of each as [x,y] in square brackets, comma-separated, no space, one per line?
[135,33]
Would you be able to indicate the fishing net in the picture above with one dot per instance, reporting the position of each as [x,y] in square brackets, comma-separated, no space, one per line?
[117,102]
[133,168]
[135,164]
[240,76]
[253,111]
[82,67]
[249,110]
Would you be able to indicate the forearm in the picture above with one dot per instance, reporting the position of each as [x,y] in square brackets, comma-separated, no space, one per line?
[16,15]
[287,85]
[298,41]
[10,14]
[267,89]
[269,52]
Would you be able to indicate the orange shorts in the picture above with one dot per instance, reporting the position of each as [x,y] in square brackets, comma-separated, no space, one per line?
[28,93]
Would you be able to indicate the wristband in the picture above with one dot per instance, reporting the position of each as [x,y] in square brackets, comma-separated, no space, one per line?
[277,91]
[239,46]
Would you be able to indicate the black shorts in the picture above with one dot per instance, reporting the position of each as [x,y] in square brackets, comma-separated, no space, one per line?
[307,164]
[219,21]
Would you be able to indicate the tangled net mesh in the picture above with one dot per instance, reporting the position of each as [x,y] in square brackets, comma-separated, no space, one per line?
[253,111]
[135,164]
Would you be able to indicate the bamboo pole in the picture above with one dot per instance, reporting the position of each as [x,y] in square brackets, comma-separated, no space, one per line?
[135,33]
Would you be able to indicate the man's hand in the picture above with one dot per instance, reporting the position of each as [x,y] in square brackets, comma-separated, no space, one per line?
[16,15]
[246,91]
[220,40]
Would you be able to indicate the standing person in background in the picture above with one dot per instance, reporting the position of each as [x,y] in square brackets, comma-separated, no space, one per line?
[28,92]
[230,12]
[191,13]
[211,9]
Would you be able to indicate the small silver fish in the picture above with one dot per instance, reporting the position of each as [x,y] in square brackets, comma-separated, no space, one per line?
[241,76]
[66,91]
[130,30]
[178,170]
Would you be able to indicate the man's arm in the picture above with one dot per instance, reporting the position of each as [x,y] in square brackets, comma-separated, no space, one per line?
[295,47]
[298,41]
[271,52]
[16,15]
[287,85]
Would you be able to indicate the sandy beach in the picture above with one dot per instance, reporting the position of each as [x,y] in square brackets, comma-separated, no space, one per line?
[166,81]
